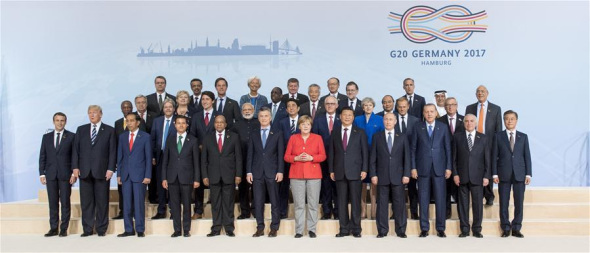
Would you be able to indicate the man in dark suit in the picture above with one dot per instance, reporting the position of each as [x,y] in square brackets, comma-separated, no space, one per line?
[134,164]
[388,105]
[415,102]
[293,88]
[352,90]
[195,99]
[511,168]
[120,127]
[156,100]
[221,167]
[147,120]
[313,107]
[405,125]
[201,126]
[94,159]
[471,170]
[265,169]
[162,129]
[333,86]
[454,121]
[181,171]
[489,122]
[431,165]
[348,161]
[323,126]
[55,171]
[244,128]
[390,171]
[288,126]
[224,105]
[277,107]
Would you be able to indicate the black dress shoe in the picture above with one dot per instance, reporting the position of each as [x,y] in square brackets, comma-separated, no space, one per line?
[298,235]
[505,233]
[259,233]
[441,234]
[126,234]
[342,234]
[414,216]
[187,234]
[63,233]
[230,234]
[101,234]
[176,234]
[283,217]
[424,234]
[243,216]
[326,216]
[52,232]
[85,234]
[140,234]
[448,215]
[159,216]
[119,216]
[272,233]
[312,234]
[477,235]
[490,202]
[380,235]
[356,235]
[402,235]
[392,217]
[517,234]
[213,233]
[464,234]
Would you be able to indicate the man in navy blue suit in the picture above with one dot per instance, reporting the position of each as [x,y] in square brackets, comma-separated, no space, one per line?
[323,124]
[288,126]
[431,166]
[278,108]
[94,158]
[405,125]
[415,101]
[511,168]
[265,170]
[55,171]
[134,161]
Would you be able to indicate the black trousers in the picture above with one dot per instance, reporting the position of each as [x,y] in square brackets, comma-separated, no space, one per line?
[477,206]
[120,192]
[244,190]
[397,193]
[222,206]
[488,192]
[261,188]
[153,187]
[284,192]
[180,194]
[59,191]
[328,193]
[518,189]
[162,193]
[413,195]
[199,195]
[349,190]
[94,200]
[452,190]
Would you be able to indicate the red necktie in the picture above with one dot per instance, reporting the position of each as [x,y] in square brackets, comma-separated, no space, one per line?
[206,119]
[220,143]
[313,110]
[131,142]
[331,124]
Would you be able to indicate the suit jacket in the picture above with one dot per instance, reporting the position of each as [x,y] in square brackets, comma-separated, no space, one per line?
[285,128]
[471,166]
[146,125]
[417,106]
[374,125]
[340,97]
[348,164]
[195,107]
[388,167]
[427,152]
[134,164]
[320,127]
[56,163]
[97,158]
[231,111]
[459,124]
[314,146]
[154,106]
[280,114]
[506,162]
[410,122]
[305,109]
[493,119]
[198,127]
[221,166]
[119,128]
[244,129]
[268,161]
[156,135]
[183,166]
[301,98]
[358,109]
[382,113]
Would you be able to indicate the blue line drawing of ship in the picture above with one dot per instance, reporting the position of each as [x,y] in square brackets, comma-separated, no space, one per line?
[194,50]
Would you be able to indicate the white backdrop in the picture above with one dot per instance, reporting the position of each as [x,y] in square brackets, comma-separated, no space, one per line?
[64,56]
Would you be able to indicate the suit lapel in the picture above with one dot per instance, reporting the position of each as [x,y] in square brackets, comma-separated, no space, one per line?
[185,145]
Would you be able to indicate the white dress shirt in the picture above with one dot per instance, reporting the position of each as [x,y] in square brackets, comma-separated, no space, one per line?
[97,128]
[347,133]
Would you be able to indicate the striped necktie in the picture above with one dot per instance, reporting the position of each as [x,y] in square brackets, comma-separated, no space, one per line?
[93,136]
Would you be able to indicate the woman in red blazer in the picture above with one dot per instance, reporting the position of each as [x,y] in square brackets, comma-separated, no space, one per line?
[305,152]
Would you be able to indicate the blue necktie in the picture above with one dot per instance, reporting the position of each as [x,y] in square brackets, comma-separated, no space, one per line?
[264,138]
[165,133]
[389,142]
[220,108]
[430,131]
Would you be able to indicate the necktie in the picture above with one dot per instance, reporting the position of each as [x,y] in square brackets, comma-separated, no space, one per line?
[410,100]
[451,125]
[220,143]
[331,124]
[469,142]
[220,108]
[512,141]
[206,119]
[160,101]
[166,128]
[430,131]
[124,124]
[179,144]
[403,124]
[351,102]
[292,126]
[293,96]
[313,110]
[131,142]
[274,111]
[480,116]
[389,142]
[57,141]
[141,115]
[196,101]
[264,138]
[93,135]
[345,139]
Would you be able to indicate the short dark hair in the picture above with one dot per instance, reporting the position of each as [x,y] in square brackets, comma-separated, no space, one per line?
[335,78]
[264,109]
[293,80]
[511,112]
[221,79]
[346,108]
[181,117]
[161,77]
[197,80]
[387,96]
[352,83]
[292,100]
[60,114]
[208,94]
[135,114]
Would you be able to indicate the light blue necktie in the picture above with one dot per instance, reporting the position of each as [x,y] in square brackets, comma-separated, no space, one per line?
[389,142]
[165,133]
[430,131]
[264,138]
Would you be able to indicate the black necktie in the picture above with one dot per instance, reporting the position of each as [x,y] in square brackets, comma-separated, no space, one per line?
[403,124]
[57,141]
